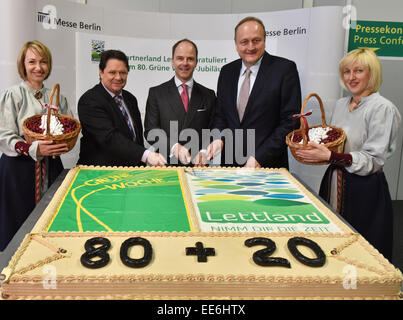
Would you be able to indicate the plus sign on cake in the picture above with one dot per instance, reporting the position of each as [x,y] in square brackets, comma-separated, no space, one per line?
[187,233]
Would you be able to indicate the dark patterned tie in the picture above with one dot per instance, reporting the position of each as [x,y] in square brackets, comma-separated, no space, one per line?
[119,102]
[185,97]
[244,94]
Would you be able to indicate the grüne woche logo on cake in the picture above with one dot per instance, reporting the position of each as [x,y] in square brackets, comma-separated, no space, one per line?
[49,19]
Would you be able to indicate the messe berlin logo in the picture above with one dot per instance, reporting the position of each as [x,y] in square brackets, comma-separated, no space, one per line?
[49,20]
[48,17]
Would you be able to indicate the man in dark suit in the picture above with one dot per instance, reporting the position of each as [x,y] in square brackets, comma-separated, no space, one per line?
[110,118]
[180,106]
[260,92]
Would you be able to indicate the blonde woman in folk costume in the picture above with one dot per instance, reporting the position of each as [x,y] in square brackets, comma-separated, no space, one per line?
[17,163]
[354,184]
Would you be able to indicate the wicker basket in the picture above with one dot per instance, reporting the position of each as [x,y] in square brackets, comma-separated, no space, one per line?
[336,146]
[69,138]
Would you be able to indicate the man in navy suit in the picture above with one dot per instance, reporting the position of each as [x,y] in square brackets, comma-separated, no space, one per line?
[180,106]
[270,99]
[110,118]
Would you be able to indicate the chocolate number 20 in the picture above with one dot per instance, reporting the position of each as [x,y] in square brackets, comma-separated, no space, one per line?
[261,257]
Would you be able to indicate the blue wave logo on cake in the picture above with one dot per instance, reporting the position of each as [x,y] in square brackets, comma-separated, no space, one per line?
[97,47]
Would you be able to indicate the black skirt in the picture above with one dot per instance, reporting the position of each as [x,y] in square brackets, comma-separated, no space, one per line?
[366,204]
[17,192]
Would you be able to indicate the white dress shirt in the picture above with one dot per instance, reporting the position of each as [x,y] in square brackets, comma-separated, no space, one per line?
[188,83]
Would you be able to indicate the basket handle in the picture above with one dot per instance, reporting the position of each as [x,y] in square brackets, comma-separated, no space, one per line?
[304,129]
[56,88]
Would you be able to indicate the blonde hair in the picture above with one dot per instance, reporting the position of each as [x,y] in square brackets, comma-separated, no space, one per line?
[41,49]
[367,59]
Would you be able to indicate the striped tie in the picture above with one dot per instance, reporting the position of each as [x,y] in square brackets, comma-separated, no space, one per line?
[119,102]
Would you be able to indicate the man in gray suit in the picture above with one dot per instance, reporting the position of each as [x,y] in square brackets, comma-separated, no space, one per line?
[178,105]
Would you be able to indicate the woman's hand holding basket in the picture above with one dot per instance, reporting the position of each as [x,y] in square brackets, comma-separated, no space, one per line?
[47,148]
[317,153]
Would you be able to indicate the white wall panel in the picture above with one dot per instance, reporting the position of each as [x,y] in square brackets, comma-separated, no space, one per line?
[239,6]
[133,5]
[195,6]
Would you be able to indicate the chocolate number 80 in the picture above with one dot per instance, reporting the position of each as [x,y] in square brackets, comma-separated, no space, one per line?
[91,252]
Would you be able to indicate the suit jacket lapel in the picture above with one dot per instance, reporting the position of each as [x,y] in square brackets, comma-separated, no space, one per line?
[135,120]
[105,93]
[114,107]
[234,89]
[195,103]
[258,85]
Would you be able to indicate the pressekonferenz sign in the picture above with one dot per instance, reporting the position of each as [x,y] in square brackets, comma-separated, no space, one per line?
[384,37]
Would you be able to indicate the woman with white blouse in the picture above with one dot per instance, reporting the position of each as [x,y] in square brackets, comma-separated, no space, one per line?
[354,183]
[19,159]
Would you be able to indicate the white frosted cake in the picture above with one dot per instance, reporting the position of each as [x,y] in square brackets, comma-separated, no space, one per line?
[180,233]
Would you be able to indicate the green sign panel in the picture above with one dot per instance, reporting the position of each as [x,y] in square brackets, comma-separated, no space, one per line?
[386,38]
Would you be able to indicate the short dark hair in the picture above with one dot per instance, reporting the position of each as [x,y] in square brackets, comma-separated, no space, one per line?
[184,40]
[112,54]
[247,19]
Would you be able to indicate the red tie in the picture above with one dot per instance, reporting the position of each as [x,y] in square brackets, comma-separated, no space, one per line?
[185,97]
